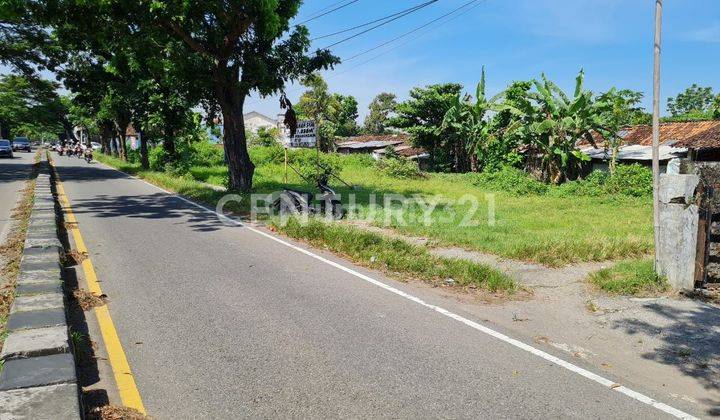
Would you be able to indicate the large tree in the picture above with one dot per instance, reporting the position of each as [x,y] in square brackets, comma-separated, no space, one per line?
[29,105]
[333,114]
[694,100]
[422,116]
[23,41]
[380,110]
[245,46]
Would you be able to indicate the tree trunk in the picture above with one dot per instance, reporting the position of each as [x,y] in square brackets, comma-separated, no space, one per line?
[106,137]
[169,142]
[122,124]
[474,163]
[144,160]
[69,132]
[231,99]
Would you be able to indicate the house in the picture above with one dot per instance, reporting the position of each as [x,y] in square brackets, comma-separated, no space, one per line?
[378,145]
[132,137]
[698,140]
[255,120]
[370,143]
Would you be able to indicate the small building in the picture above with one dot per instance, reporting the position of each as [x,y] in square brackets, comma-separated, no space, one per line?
[698,140]
[132,137]
[371,143]
[255,120]
[378,145]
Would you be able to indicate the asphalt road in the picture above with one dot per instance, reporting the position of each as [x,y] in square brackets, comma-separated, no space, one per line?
[13,174]
[221,322]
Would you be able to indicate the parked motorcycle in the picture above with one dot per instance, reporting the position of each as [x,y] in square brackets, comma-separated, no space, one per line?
[303,202]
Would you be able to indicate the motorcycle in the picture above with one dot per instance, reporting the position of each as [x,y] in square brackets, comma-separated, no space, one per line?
[88,155]
[301,202]
[61,151]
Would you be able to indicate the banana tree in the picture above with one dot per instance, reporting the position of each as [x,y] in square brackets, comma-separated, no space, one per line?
[468,122]
[559,122]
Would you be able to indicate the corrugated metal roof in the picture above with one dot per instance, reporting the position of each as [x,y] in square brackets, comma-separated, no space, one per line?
[367,144]
[690,134]
[636,152]
[402,138]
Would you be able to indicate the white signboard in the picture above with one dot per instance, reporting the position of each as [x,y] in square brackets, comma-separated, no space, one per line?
[305,136]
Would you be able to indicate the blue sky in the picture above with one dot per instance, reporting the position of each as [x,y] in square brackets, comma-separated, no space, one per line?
[517,40]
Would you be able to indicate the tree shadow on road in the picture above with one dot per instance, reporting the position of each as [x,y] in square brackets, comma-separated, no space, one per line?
[690,336]
[87,173]
[11,170]
[149,206]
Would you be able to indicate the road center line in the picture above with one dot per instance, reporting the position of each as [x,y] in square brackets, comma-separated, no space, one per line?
[472,324]
[124,379]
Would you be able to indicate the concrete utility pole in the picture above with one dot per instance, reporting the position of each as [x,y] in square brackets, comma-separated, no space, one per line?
[656,129]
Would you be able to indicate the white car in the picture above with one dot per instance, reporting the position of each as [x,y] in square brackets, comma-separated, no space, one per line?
[95,145]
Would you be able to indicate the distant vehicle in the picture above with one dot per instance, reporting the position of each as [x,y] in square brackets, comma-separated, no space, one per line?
[21,143]
[95,145]
[6,148]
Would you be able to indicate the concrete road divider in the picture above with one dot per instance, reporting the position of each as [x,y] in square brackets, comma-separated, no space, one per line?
[38,379]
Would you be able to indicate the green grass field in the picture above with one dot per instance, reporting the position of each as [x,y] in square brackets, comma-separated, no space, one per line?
[541,228]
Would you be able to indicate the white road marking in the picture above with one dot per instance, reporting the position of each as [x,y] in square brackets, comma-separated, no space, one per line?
[472,324]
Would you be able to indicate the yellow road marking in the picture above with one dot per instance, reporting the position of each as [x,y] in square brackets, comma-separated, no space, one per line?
[124,378]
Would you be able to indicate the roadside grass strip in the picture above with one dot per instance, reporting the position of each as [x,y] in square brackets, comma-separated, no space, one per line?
[635,277]
[395,256]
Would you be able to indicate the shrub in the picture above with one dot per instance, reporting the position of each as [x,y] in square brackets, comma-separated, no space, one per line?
[400,168]
[261,155]
[203,153]
[633,180]
[628,180]
[508,179]
[158,158]
[593,185]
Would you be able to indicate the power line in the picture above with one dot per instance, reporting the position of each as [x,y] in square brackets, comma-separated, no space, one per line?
[329,6]
[404,43]
[422,6]
[328,12]
[428,30]
[371,22]
[469,3]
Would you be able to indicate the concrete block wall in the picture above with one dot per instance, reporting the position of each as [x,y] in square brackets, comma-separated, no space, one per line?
[38,380]
[678,229]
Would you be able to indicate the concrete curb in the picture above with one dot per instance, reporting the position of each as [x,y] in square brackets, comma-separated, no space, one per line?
[38,379]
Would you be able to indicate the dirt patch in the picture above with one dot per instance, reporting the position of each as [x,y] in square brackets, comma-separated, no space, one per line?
[88,300]
[113,412]
[73,257]
[70,225]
